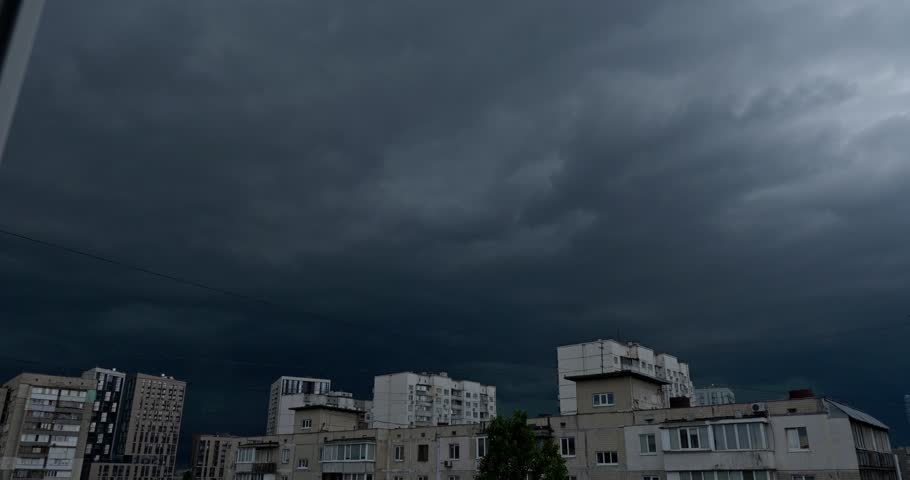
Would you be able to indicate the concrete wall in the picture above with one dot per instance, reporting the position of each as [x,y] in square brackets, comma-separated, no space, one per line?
[628,393]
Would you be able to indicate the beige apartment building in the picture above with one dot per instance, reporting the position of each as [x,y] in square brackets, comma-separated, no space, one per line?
[43,426]
[610,438]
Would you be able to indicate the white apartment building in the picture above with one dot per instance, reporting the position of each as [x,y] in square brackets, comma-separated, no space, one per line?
[287,386]
[409,399]
[608,356]
[714,396]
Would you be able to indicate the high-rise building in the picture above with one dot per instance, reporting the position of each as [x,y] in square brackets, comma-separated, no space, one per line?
[146,431]
[423,399]
[608,356]
[43,424]
[109,386]
[714,396]
[289,386]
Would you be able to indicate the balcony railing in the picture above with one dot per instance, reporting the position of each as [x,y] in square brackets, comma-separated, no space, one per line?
[873,459]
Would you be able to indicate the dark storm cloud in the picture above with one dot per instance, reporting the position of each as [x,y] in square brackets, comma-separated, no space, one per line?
[461,187]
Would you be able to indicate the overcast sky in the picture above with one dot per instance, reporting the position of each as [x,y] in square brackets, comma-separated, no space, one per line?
[463,186]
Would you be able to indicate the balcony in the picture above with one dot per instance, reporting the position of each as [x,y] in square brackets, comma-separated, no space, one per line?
[682,460]
[873,459]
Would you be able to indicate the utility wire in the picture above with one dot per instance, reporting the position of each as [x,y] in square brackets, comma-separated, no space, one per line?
[166,276]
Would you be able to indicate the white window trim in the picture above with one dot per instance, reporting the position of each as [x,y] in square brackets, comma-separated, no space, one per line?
[566,449]
[611,400]
[395,453]
[656,444]
[605,455]
[787,437]
[486,446]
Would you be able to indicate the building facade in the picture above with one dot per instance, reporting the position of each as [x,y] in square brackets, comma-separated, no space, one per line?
[794,439]
[302,388]
[606,356]
[43,426]
[109,386]
[411,399]
[284,415]
[714,396]
[146,432]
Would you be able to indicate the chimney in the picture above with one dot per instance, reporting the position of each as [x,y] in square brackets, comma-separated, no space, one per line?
[801,393]
[680,402]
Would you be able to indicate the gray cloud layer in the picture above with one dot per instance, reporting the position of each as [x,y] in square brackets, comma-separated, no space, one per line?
[463,186]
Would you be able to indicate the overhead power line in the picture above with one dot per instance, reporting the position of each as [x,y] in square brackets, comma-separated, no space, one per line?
[170,277]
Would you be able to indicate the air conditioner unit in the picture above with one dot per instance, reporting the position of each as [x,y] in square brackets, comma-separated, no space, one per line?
[447,464]
[759,407]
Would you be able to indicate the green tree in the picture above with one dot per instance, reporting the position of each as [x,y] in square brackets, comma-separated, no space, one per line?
[513,452]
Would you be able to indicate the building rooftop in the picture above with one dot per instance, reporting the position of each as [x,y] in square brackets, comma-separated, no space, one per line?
[619,374]
[325,407]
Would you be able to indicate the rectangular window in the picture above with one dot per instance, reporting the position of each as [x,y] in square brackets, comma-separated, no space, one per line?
[689,438]
[740,436]
[306,423]
[246,455]
[607,458]
[481,447]
[797,438]
[285,456]
[423,453]
[803,477]
[422,477]
[399,453]
[603,399]
[454,451]
[650,477]
[567,446]
[648,443]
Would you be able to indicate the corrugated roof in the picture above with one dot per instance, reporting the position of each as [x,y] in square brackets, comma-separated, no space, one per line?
[857,415]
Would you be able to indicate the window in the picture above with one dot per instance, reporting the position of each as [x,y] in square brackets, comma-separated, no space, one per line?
[246,455]
[399,453]
[422,477]
[797,438]
[397,477]
[740,436]
[648,442]
[689,438]
[481,447]
[285,456]
[572,477]
[306,423]
[720,475]
[603,399]
[423,453]
[453,477]
[803,477]
[454,451]
[650,477]
[567,446]
[354,452]
[607,458]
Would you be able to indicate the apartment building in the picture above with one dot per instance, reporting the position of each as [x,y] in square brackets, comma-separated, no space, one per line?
[794,439]
[109,386]
[409,399]
[146,431]
[43,426]
[606,356]
[214,456]
[284,415]
[714,396]
[302,389]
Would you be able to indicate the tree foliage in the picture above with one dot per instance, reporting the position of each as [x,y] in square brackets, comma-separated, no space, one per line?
[513,452]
